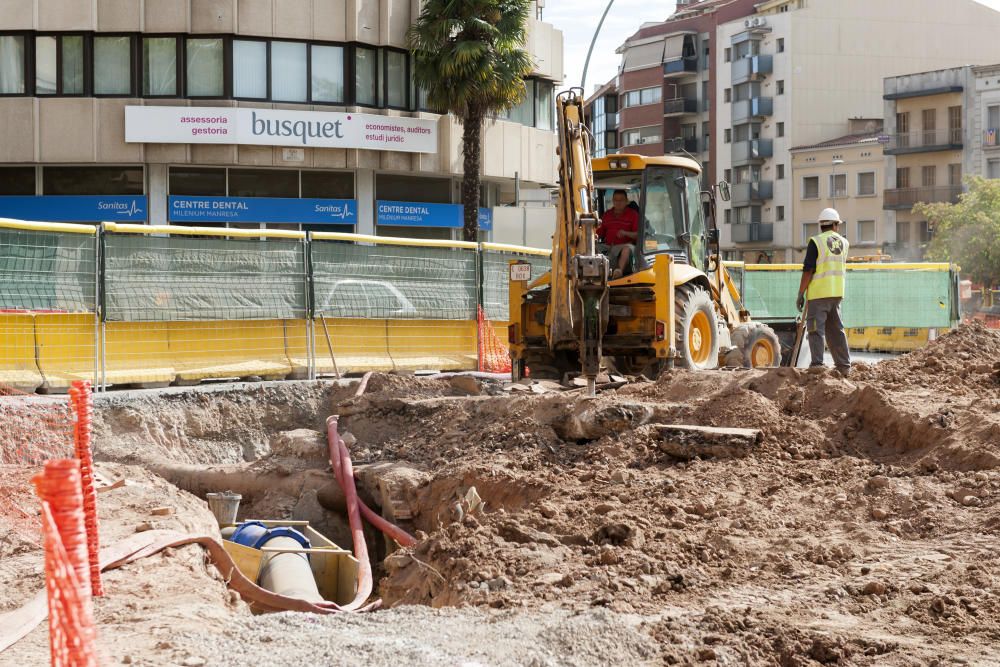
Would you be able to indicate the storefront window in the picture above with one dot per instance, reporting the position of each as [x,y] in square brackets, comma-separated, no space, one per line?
[17,180]
[11,65]
[395,73]
[198,181]
[365,76]
[328,185]
[92,180]
[288,71]
[205,67]
[263,183]
[328,73]
[113,65]
[250,69]
[159,66]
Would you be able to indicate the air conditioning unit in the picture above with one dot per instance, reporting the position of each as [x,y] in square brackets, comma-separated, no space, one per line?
[748,23]
[759,22]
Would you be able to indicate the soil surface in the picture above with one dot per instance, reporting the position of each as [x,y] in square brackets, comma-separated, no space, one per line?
[862,529]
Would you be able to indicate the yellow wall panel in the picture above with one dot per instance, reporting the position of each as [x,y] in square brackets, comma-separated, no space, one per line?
[18,368]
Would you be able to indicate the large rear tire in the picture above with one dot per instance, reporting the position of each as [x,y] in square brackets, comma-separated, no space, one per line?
[697,331]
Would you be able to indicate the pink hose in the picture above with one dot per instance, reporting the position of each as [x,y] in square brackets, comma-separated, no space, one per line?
[344,473]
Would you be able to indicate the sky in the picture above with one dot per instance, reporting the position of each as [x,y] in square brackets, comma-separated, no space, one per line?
[578,20]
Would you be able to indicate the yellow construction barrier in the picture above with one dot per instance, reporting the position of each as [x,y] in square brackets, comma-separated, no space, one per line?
[18,367]
[358,345]
[137,353]
[65,349]
[227,349]
[432,344]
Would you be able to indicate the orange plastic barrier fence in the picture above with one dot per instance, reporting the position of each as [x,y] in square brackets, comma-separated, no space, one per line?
[82,401]
[72,635]
[494,356]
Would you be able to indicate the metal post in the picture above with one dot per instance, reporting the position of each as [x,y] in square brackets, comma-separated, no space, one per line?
[309,307]
[586,63]
[97,307]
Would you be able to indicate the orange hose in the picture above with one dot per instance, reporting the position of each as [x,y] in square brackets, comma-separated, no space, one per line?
[345,477]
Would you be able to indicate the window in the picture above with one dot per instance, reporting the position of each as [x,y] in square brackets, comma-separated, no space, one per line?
[728,54]
[992,113]
[929,118]
[779,172]
[993,168]
[866,231]
[204,73]
[59,65]
[365,76]
[903,177]
[780,87]
[12,65]
[197,181]
[643,135]
[955,124]
[396,78]
[928,176]
[727,95]
[524,113]
[159,66]
[903,232]
[17,180]
[250,69]
[113,65]
[838,185]
[328,184]
[809,230]
[903,129]
[923,232]
[728,135]
[780,129]
[544,104]
[288,71]
[91,180]
[263,183]
[634,98]
[728,216]
[810,187]
[779,213]
[866,184]
[954,175]
[327,73]
[780,45]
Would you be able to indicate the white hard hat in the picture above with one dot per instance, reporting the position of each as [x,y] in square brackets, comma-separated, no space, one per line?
[829,215]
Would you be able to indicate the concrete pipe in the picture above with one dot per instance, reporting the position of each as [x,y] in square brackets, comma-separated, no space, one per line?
[288,574]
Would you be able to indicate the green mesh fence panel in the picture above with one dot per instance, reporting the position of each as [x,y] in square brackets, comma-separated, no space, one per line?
[496,292]
[163,279]
[48,271]
[393,282]
[875,298]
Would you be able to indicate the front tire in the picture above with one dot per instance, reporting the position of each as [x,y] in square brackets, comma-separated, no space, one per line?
[696,328]
[758,345]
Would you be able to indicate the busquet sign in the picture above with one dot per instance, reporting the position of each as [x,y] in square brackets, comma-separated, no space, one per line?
[277,127]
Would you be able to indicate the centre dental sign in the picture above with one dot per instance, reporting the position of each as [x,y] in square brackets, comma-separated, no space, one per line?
[274,127]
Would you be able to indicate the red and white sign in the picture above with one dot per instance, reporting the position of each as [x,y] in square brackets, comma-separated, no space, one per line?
[279,127]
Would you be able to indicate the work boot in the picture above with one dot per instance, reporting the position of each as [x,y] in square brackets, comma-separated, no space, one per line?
[844,372]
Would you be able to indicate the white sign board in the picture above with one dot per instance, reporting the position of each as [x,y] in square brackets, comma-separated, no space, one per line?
[520,272]
[279,127]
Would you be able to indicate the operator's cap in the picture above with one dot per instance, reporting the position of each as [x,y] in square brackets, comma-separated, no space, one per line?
[829,215]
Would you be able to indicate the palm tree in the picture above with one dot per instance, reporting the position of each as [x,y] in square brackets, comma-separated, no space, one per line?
[469,59]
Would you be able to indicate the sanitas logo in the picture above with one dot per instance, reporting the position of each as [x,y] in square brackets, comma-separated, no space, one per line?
[121,208]
[303,129]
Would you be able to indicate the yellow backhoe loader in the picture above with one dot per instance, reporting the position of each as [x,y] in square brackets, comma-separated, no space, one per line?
[678,305]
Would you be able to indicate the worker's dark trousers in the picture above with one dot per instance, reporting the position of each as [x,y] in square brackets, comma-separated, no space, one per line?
[823,317]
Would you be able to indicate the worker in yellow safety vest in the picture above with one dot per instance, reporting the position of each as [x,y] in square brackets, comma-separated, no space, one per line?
[824,278]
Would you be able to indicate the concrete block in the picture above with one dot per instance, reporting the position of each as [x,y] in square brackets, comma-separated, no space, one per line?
[293,19]
[172,16]
[66,129]
[111,146]
[329,20]
[255,17]
[18,146]
[64,15]
[119,15]
[215,16]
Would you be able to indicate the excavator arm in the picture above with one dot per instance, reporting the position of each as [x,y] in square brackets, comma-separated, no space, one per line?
[577,313]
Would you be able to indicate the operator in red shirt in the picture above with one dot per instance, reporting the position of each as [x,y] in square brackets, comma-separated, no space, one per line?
[619,230]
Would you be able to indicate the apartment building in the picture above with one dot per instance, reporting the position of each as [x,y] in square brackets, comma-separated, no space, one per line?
[794,72]
[665,82]
[247,112]
[602,118]
[941,125]
[846,173]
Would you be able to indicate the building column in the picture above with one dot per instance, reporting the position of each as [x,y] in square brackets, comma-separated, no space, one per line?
[364,180]
[156,183]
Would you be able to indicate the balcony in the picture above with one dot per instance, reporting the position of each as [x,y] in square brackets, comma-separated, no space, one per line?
[903,199]
[991,137]
[679,144]
[924,141]
[752,68]
[753,151]
[756,107]
[679,106]
[753,233]
[745,194]
[680,67]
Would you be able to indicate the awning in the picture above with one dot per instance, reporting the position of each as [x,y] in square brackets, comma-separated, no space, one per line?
[644,55]
[674,48]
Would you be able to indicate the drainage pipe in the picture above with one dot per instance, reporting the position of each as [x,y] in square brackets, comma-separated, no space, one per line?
[288,574]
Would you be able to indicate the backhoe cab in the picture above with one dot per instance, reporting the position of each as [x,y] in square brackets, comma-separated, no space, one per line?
[676,304]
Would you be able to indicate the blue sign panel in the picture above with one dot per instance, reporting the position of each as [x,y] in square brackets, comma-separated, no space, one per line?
[263,209]
[75,208]
[420,214]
